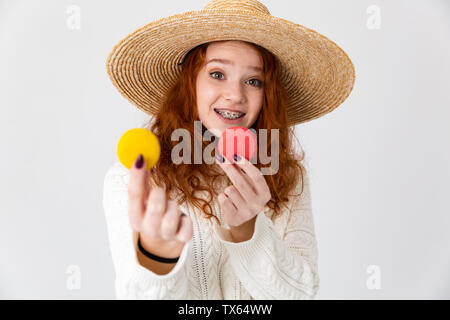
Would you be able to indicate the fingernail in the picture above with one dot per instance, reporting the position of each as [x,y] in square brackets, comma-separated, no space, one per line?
[220,158]
[236,157]
[139,162]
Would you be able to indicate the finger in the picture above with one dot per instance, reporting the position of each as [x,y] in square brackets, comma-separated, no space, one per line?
[231,218]
[254,175]
[185,230]
[237,200]
[154,212]
[170,221]
[137,193]
[237,178]
[226,204]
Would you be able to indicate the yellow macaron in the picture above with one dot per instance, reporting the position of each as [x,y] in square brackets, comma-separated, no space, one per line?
[138,141]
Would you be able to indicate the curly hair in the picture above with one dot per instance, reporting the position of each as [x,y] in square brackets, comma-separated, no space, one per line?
[177,112]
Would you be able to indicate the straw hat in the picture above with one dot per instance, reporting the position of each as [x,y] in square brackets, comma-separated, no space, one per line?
[317,73]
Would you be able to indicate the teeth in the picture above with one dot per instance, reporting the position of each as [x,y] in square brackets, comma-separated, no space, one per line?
[229,114]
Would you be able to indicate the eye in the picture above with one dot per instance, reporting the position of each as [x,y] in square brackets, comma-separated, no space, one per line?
[259,81]
[215,72]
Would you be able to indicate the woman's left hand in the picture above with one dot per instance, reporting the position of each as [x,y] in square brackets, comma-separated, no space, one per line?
[247,196]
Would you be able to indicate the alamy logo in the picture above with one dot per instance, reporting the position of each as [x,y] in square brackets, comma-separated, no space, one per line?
[207,156]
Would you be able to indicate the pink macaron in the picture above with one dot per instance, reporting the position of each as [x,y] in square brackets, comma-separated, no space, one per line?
[238,141]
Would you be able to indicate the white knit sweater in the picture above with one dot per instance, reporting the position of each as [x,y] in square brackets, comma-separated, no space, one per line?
[278,262]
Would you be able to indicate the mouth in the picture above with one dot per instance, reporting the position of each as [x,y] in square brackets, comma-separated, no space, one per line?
[229,115]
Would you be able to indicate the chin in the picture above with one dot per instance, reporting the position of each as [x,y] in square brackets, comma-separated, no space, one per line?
[216,131]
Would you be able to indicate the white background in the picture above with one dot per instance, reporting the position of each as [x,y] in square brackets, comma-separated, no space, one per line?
[379,164]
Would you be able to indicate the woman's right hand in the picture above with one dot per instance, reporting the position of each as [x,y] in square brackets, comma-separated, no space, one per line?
[162,226]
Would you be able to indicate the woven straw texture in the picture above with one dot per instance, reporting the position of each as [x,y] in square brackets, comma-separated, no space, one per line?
[316,72]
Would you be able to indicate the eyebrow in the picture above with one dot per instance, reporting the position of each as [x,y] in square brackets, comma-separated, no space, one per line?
[225,61]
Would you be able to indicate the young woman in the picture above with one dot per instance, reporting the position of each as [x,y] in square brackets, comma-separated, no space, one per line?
[220,230]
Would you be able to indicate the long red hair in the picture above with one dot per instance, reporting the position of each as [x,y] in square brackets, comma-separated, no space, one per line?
[177,112]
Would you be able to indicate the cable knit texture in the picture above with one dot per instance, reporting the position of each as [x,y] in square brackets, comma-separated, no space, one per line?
[278,262]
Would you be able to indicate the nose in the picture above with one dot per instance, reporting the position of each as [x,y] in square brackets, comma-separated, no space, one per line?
[234,92]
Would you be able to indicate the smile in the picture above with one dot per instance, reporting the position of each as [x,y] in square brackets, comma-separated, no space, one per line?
[230,115]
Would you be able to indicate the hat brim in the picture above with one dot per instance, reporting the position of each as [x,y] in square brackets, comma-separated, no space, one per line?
[316,72]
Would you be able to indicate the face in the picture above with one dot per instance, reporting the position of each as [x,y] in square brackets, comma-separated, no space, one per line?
[233,84]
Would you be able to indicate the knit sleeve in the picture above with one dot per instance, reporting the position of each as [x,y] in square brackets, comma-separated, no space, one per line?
[274,266]
[132,280]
